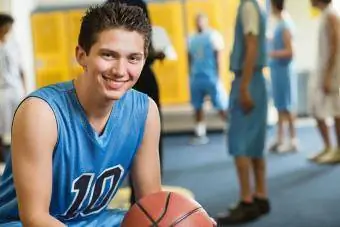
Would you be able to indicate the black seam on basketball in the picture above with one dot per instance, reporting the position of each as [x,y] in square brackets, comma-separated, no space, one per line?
[166,208]
[154,223]
[185,216]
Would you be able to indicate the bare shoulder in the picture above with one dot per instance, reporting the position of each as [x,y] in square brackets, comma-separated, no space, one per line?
[153,109]
[153,118]
[34,109]
[35,120]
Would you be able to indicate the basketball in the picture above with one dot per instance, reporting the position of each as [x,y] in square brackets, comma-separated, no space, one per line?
[167,209]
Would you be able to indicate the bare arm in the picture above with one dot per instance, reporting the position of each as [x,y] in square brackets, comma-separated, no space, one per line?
[189,63]
[287,52]
[219,61]
[34,136]
[333,40]
[250,20]
[146,168]
[249,60]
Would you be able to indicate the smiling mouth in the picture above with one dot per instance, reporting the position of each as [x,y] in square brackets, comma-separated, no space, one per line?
[109,79]
[113,84]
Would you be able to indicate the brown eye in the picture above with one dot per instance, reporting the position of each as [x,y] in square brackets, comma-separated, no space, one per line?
[135,59]
[107,56]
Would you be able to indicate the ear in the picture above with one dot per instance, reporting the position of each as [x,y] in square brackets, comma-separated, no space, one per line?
[81,56]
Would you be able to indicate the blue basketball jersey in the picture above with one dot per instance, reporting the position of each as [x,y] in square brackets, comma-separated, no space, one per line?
[238,51]
[88,168]
[278,41]
[203,60]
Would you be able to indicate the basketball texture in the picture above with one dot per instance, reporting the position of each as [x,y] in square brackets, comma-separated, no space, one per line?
[167,209]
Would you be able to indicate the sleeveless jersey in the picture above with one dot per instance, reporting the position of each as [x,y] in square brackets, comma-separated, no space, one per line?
[87,168]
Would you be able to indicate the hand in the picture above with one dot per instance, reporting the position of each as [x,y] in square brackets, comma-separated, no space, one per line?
[327,85]
[246,101]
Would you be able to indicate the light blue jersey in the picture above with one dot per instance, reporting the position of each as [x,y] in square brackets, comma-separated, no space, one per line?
[204,78]
[203,60]
[238,51]
[283,79]
[87,168]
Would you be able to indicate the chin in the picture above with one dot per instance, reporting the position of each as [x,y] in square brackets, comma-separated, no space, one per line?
[114,95]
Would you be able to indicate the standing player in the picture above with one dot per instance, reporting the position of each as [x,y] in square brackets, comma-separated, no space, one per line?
[74,142]
[12,81]
[205,53]
[282,77]
[325,98]
[248,112]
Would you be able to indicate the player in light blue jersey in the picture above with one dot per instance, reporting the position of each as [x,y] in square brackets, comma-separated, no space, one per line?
[283,78]
[73,143]
[248,113]
[205,54]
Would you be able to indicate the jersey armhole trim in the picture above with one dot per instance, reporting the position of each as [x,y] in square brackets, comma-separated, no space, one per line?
[55,115]
[144,119]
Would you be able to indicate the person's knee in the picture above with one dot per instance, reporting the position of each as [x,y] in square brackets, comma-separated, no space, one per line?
[259,164]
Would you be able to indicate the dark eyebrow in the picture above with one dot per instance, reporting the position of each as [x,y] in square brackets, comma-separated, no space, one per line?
[116,53]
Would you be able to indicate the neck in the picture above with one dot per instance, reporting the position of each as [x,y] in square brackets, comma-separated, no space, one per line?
[201,30]
[96,109]
[278,14]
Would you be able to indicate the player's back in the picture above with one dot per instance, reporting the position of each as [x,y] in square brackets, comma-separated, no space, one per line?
[88,168]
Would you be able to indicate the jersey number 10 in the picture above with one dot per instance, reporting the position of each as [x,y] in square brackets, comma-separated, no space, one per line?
[82,187]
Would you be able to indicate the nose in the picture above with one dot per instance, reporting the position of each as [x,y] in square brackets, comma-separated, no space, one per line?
[120,68]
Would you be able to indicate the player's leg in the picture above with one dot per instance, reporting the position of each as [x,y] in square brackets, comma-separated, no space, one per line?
[197,93]
[261,195]
[293,143]
[334,156]
[219,98]
[257,142]
[287,106]
[240,142]
[279,133]
[276,95]
[284,95]
[321,109]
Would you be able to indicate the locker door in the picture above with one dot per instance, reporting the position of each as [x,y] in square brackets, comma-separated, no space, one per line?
[74,22]
[50,48]
[171,75]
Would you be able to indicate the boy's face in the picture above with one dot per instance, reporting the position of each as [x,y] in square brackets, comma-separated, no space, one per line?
[4,30]
[114,62]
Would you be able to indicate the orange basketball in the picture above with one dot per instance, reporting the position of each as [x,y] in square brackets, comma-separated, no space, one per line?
[167,209]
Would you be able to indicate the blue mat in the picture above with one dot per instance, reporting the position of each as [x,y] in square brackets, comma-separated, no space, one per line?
[302,193]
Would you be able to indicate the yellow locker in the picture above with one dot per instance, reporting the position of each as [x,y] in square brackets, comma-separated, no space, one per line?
[50,46]
[172,76]
[74,22]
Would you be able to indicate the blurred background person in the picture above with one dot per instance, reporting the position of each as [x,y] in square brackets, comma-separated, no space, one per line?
[248,113]
[325,99]
[205,60]
[12,81]
[283,78]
